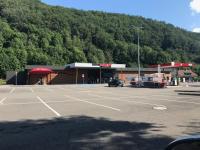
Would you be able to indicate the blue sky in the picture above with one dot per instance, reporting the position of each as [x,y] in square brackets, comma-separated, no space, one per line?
[181,13]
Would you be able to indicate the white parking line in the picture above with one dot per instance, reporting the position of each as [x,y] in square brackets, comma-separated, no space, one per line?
[131,101]
[74,90]
[163,99]
[85,91]
[66,89]
[85,101]
[2,100]
[13,89]
[172,96]
[30,103]
[32,90]
[147,98]
[27,103]
[177,101]
[50,90]
[43,102]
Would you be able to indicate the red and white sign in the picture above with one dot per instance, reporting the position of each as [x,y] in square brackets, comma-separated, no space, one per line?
[173,65]
[105,65]
[113,65]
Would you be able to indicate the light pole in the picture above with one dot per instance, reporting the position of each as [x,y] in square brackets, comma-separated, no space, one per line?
[138,43]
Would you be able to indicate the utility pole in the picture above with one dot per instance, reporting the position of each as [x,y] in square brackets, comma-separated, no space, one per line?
[138,43]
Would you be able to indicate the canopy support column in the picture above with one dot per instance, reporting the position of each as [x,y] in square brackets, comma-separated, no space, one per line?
[100,75]
[76,75]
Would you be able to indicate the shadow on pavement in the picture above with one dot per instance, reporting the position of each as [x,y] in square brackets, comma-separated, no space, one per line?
[194,85]
[192,128]
[80,133]
[190,94]
[187,91]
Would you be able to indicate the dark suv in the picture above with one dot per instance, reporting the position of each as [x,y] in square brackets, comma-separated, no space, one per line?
[116,83]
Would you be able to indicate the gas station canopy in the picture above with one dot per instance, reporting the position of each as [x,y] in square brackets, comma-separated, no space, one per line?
[173,65]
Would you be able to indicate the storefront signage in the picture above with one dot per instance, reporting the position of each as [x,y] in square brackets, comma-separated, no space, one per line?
[105,65]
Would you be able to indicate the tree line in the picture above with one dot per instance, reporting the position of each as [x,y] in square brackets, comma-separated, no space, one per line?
[32,32]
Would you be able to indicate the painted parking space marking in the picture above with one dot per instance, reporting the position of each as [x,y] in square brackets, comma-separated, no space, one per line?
[74,90]
[160,108]
[150,98]
[43,102]
[30,103]
[173,96]
[85,91]
[13,89]
[92,103]
[163,99]
[2,100]
[131,101]
[27,103]
[49,90]
[66,89]
[177,101]
[31,89]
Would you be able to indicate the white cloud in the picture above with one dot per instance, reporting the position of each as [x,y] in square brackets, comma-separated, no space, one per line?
[197,30]
[195,6]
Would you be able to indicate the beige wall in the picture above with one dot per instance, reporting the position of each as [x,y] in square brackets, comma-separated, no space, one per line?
[60,77]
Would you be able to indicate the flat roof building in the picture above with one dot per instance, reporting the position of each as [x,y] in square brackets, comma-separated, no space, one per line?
[79,73]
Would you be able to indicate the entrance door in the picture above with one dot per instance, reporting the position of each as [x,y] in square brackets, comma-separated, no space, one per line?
[44,80]
[106,75]
[37,79]
[93,76]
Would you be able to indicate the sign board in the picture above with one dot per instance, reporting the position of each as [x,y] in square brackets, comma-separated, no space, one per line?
[113,65]
[105,65]
[119,66]
[82,65]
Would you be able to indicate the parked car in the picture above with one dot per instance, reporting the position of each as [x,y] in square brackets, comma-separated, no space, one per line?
[185,143]
[116,83]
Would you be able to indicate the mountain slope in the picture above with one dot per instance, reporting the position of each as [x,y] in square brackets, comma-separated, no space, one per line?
[34,33]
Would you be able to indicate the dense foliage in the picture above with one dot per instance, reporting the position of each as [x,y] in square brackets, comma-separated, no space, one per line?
[34,33]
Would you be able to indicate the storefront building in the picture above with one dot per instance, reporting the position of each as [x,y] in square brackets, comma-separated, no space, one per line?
[88,73]
[85,73]
[76,73]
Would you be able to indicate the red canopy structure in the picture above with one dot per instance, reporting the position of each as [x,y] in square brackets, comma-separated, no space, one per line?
[40,71]
[173,65]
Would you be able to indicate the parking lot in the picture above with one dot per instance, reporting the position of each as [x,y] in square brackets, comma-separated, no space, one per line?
[96,117]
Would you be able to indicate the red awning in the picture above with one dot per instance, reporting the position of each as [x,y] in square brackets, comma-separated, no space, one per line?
[40,71]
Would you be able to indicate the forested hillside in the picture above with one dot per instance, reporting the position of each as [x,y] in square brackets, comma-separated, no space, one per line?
[34,33]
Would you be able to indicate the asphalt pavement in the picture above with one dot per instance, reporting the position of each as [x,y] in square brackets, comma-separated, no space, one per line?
[96,117]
